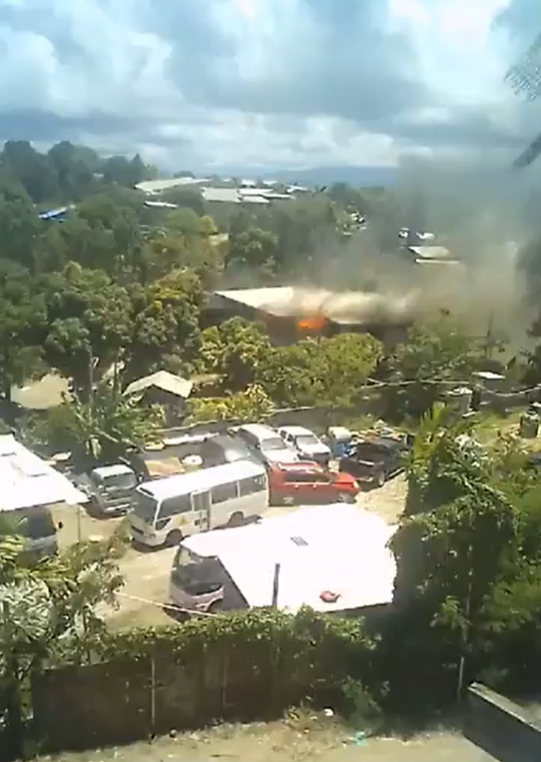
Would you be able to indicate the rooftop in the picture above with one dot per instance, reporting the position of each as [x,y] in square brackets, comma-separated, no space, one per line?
[338,548]
[163,380]
[206,478]
[151,187]
[346,307]
[221,195]
[28,481]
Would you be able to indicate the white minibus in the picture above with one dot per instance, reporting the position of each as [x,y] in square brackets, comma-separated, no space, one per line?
[166,510]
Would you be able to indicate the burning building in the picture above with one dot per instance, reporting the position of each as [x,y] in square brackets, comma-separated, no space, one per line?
[291,313]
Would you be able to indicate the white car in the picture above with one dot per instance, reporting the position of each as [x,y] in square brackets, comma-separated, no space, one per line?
[306,443]
[266,443]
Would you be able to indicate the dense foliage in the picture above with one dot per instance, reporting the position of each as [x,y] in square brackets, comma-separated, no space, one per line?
[467,588]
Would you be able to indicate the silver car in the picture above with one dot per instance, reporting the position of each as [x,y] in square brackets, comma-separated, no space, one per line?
[306,443]
[266,443]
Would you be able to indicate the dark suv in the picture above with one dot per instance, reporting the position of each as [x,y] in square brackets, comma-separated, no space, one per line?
[375,460]
[224,448]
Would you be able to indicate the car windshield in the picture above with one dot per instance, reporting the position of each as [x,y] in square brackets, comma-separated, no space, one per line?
[120,481]
[307,440]
[145,506]
[185,557]
[273,443]
[33,523]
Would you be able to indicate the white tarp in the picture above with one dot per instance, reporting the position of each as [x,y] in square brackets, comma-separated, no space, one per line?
[339,548]
[27,481]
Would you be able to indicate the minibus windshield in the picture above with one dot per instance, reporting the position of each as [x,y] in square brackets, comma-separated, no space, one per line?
[145,506]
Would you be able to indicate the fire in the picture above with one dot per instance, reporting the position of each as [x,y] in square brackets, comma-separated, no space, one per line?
[314,324]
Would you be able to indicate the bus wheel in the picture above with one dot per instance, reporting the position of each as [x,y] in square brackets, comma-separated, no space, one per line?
[173,538]
[236,519]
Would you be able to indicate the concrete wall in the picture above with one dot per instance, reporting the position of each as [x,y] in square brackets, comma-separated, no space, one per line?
[500,727]
[119,702]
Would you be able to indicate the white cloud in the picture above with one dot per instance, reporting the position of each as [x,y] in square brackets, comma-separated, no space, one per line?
[259,82]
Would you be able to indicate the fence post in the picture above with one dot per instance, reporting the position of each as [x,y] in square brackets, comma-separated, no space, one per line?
[276,586]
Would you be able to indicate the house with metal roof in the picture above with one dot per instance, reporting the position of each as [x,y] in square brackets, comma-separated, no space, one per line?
[289,313]
[163,388]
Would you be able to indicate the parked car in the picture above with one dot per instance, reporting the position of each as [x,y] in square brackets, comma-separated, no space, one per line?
[307,482]
[224,448]
[373,461]
[110,488]
[265,443]
[306,443]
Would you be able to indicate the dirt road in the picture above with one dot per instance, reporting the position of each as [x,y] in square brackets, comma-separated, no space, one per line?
[284,742]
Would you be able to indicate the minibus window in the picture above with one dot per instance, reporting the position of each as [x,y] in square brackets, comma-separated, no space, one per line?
[145,506]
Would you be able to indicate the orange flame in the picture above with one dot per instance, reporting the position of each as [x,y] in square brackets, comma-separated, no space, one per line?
[315,323]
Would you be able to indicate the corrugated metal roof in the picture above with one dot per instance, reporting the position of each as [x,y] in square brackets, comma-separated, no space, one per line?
[254,191]
[28,481]
[254,200]
[223,195]
[271,299]
[431,252]
[157,186]
[346,308]
[163,380]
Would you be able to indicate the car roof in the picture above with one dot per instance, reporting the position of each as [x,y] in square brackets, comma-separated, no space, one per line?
[297,431]
[118,469]
[301,466]
[388,442]
[259,430]
[227,441]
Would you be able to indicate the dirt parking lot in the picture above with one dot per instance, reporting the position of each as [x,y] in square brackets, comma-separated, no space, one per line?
[147,573]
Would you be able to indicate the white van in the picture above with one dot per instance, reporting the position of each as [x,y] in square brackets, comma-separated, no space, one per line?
[166,510]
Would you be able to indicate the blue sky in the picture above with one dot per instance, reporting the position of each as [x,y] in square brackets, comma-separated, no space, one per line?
[267,82]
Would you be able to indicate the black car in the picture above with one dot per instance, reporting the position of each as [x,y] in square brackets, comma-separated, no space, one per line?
[224,448]
[375,460]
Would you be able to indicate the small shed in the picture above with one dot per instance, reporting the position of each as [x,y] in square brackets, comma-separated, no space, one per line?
[163,388]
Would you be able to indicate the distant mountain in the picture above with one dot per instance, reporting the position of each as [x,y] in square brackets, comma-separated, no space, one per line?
[316,176]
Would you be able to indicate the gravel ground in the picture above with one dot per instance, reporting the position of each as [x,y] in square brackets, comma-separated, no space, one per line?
[289,742]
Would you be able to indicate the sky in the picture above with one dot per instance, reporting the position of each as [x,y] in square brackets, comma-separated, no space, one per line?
[268,83]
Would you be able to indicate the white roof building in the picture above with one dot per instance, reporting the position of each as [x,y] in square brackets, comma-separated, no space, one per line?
[28,481]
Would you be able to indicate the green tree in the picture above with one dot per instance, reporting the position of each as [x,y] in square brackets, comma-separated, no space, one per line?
[287,375]
[253,404]
[328,372]
[164,331]
[75,168]
[457,541]
[32,169]
[436,355]
[48,612]
[23,320]
[253,250]
[89,324]
[236,349]
[20,226]
[100,429]
[343,364]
